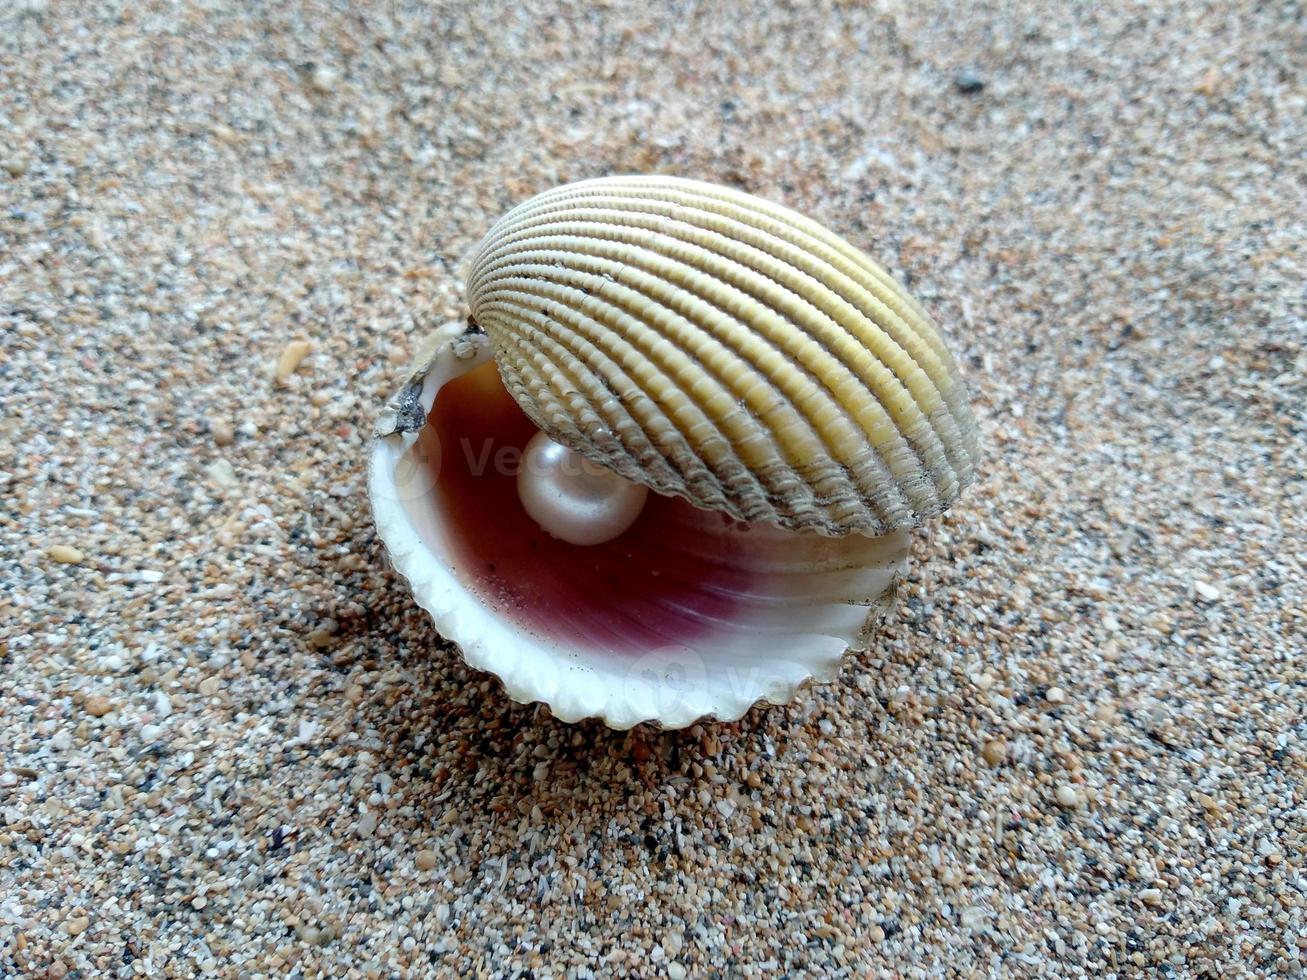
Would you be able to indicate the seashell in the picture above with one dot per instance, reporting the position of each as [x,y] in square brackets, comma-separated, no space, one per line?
[668,467]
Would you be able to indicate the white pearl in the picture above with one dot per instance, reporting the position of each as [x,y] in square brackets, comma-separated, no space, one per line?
[572,498]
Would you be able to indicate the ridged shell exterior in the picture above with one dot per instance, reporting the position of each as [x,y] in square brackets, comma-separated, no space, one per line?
[722,348]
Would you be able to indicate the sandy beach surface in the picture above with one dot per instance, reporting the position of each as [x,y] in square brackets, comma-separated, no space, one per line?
[232,745]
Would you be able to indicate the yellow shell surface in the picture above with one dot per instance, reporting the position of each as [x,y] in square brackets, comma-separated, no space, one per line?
[725,349]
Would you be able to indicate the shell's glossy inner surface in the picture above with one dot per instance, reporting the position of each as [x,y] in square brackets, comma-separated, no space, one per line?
[645,588]
[679,575]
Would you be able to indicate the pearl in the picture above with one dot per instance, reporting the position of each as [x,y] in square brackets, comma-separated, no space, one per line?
[573,499]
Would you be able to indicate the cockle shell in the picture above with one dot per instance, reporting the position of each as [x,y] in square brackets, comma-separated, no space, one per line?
[721,348]
[791,408]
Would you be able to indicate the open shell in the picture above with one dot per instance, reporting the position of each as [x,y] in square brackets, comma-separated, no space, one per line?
[689,614]
[792,409]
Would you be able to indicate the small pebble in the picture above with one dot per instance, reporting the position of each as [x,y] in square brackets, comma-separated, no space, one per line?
[1067,797]
[367,824]
[968,82]
[425,859]
[65,554]
[1206,591]
[97,705]
[1055,695]
[322,79]
[994,751]
[224,433]
[291,358]
[222,474]
[321,637]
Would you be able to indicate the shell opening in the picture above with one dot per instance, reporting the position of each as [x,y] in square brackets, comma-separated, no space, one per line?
[574,499]
[675,613]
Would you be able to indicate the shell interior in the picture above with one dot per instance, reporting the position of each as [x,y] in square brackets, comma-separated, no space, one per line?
[689,613]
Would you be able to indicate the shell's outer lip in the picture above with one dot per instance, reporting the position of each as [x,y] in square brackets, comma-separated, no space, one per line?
[672,686]
[446,352]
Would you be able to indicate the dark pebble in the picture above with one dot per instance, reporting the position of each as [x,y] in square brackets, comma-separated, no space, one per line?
[968,82]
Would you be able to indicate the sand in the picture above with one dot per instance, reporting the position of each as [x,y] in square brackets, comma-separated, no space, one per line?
[231,744]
